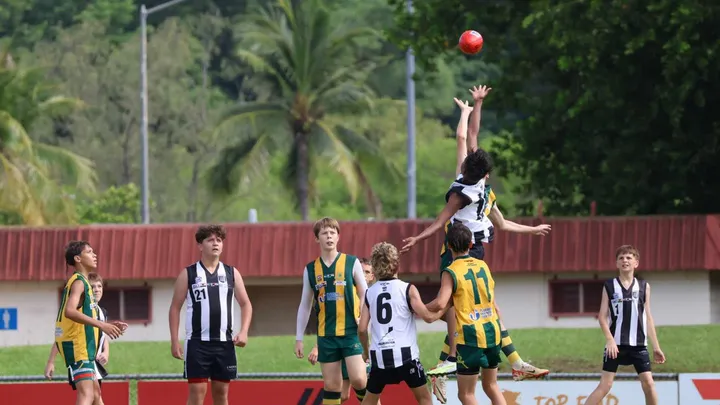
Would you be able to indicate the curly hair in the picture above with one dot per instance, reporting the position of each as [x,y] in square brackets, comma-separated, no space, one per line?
[206,231]
[385,260]
[459,238]
[477,165]
[74,248]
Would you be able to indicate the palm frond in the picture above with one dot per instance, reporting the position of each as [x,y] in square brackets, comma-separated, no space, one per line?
[13,134]
[249,114]
[249,156]
[342,160]
[56,106]
[69,167]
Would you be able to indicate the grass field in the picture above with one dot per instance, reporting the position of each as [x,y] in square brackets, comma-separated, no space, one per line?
[688,349]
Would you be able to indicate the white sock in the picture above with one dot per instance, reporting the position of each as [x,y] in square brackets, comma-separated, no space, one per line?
[518,364]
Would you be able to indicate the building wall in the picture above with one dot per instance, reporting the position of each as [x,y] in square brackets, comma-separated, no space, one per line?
[677,298]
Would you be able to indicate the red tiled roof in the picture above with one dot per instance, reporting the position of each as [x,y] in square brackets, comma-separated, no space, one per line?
[281,249]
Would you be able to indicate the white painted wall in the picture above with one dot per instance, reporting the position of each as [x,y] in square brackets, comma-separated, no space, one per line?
[678,298]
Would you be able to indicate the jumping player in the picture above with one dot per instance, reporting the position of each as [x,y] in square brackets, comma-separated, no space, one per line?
[77,327]
[468,282]
[208,286]
[313,356]
[389,307]
[333,280]
[625,320]
[471,201]
[103,349]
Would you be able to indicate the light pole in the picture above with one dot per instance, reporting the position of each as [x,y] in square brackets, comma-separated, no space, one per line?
[145,190]
[409,73]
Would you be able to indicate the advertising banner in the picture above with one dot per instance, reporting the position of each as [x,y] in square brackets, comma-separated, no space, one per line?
[261,392]
[56,393]
[569,393]
[699,389]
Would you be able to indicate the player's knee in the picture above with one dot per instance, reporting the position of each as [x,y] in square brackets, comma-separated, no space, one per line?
[647,384]
[358,382]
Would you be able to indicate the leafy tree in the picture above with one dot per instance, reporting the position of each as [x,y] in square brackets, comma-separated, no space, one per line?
[304,59]
[37,179]
[614,99]
[116,205]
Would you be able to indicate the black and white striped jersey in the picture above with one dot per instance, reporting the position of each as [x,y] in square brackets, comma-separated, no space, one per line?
[209,301]
[627,317]
[392,324]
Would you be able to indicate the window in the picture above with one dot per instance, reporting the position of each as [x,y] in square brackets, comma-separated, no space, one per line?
[127,304]
[575,297]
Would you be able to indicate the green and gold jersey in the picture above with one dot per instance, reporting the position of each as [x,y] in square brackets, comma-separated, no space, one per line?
[75,340]
[335,295]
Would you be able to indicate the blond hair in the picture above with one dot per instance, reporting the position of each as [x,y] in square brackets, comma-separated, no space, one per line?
[326,222]
[385,260]
[627,249]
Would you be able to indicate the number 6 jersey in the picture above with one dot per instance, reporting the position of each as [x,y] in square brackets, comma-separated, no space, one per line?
[392,324]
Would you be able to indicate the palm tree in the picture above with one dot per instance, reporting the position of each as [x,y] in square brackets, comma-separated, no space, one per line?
[34,176]
[304,59]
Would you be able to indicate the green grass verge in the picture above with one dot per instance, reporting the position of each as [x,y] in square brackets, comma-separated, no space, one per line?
[688,349]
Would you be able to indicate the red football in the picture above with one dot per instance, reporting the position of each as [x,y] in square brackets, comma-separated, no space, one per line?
[471,42]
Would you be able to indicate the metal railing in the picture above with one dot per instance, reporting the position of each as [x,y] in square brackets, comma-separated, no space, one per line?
[318,376]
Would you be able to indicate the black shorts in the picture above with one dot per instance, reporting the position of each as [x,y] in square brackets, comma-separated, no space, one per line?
[412,373]
[213,360]
[636,356]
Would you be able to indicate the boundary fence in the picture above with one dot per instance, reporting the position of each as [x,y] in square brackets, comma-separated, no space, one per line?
[317,376]
[307,389]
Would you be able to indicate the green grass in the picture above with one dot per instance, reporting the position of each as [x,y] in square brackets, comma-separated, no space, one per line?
[687,348]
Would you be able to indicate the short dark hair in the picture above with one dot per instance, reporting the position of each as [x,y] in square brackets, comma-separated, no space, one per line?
[206,231]
[74,248]
[459,238]
[365,261]
[477,165]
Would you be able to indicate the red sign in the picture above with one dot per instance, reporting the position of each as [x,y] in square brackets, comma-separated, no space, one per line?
[261,392]
[114,393]
[708,389]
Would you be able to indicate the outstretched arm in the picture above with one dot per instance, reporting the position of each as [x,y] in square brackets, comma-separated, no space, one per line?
[479,93]
[462,134]
[497,218]
[419,307]
[454,204]
[447,286]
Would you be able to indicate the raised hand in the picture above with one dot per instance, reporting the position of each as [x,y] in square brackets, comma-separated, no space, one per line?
[464,107]
[479,92]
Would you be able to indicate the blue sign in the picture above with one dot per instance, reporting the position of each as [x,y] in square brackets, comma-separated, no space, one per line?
[8,319]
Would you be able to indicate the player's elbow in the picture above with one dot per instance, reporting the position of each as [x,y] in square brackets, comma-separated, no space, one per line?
[363,328]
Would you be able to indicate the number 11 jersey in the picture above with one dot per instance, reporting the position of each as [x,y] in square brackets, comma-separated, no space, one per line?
[392,324]
[473,296]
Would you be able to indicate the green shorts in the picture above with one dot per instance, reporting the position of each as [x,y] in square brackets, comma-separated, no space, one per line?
[471,359]
[336,348]
[81,371]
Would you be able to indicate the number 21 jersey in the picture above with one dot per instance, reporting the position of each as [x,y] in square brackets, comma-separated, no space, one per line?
[209,300]
[392,324]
